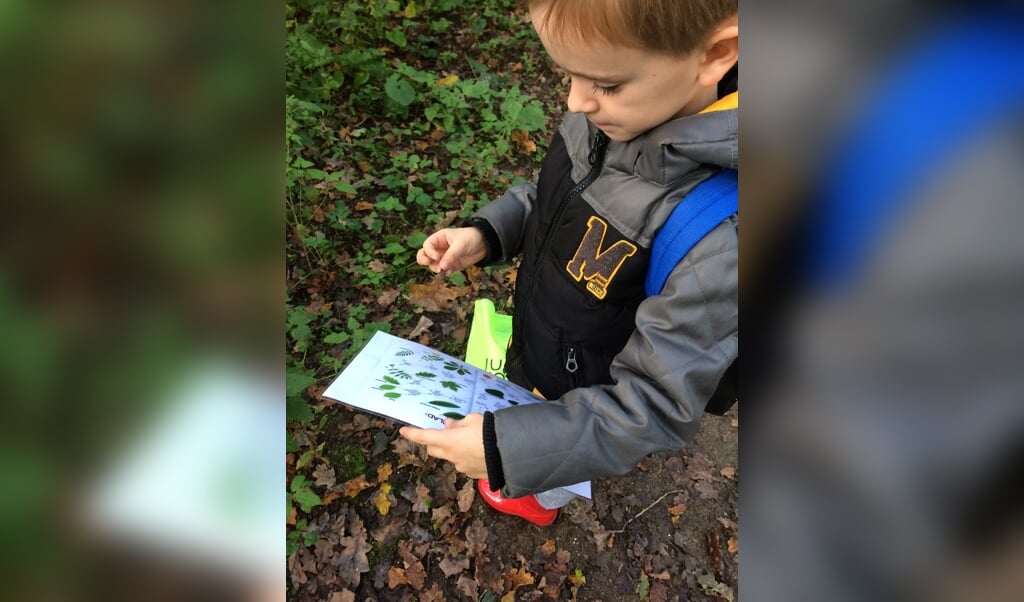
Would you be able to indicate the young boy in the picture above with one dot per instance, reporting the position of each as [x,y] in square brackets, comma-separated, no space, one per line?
[653,110]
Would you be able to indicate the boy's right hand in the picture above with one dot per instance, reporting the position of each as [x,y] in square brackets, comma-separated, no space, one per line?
[452,249]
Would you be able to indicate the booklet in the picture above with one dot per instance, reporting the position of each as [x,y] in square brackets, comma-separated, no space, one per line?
[417,385]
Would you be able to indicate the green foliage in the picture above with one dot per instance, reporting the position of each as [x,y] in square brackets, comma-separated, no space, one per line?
[400,116]
[349,462]
[302,494]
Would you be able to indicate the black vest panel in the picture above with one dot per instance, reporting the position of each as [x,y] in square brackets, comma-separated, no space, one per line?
[577,289]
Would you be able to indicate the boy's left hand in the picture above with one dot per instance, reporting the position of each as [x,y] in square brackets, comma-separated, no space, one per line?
[461,442]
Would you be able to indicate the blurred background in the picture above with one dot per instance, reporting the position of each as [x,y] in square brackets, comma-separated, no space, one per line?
[140,300]
[881,285]
[141,292]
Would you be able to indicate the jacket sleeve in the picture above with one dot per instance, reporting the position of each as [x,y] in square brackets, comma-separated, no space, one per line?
[685,339]
[507,216]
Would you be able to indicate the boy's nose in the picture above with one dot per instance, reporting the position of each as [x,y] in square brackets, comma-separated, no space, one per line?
[581,100]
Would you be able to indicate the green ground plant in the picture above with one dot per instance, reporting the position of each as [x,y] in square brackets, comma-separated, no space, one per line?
[400,116]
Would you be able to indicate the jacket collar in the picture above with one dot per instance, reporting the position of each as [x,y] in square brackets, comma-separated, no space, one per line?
[675,148]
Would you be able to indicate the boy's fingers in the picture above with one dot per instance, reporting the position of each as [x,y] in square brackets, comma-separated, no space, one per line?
[418,435]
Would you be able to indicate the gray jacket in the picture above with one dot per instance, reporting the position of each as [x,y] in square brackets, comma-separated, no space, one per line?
[684,338]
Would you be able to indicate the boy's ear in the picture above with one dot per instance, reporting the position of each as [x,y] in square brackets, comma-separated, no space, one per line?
[721,52]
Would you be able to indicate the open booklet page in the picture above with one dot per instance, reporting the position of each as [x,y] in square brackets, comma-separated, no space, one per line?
[417,385]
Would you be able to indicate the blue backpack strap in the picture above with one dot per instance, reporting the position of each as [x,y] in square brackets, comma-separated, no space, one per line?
[707,205]
[913,124]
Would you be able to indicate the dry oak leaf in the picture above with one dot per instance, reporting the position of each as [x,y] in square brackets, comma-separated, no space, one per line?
[548,548]
[434,594]
[421,327]
[396,577]
[713,587]
[421,499]
[675,512]
[454,565]
[343,596]
[388,297]
[468,587]
[466,497]
[416,575]
[518,577]
[409,453]
[384,472]
[324,475]
[436,295]
[364,206]
[354,486]
[476,537]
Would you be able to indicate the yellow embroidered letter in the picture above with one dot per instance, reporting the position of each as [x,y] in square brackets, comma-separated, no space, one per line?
[598,267]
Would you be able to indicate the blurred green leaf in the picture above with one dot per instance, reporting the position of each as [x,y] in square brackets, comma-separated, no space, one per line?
[399,90]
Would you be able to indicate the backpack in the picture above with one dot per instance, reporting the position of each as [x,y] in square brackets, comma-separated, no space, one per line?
[706,206]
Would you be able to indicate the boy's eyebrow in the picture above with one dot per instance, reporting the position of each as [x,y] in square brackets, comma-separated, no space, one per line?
[590,77]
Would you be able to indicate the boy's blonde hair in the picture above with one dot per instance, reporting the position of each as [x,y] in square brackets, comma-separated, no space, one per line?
[676,27]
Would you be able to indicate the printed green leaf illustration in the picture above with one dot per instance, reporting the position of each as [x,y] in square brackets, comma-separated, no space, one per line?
[454,415]
[443,404]
[449,384]
[426,374]
[456,367]
[392,395]
[403,353]
[432,357]
[389,380]
[495,392]
[515,403]
[399,373]
[386,387]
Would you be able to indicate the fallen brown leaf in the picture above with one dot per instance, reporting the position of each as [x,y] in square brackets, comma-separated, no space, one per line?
[454,565]
[436,295]
[354,486]
[476,537]
[396,577]
[421,499]
[421,327]
[388,297]
[468,587]
[384,472]
[517,578]
[324,475]
[343,596]
[434,594]
[466,497]
[382,500]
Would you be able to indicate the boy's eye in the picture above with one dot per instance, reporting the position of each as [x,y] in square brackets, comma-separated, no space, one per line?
[606,89]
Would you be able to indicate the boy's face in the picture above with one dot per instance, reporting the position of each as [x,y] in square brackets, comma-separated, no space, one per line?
[627,91]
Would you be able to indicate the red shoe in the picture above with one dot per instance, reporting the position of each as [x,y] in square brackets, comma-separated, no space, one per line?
[524,507]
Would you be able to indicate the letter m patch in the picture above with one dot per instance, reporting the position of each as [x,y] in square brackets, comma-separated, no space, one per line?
[596,265]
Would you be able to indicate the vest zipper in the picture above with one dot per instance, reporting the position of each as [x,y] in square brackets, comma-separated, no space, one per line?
[572,366]
[596,159]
